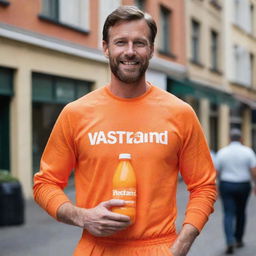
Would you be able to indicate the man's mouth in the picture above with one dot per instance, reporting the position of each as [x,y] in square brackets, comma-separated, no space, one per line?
[129,63]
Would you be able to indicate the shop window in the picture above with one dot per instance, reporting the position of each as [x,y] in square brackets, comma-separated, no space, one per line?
[236,116]
[53,89]
[6,91]
[65,90]
[44,117]
[50,94]
[6,81]
[254,130]
[214,127]
[4,133]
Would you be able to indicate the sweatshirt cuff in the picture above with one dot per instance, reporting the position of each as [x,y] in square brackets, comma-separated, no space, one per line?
[54,204]
[196,220]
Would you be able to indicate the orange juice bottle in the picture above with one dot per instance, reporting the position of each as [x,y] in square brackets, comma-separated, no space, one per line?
[124,187]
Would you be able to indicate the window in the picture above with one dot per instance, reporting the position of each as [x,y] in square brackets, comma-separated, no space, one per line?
[50,94]
[214,127]
[236,116]
[237,61]
[252,18]
[140,4]
[254,130]
[73,14]
[6,81]
[105,8]
[53,89]
[5,133]
[50,8]
[236,11]
[216,4]
[242,66]
[4,3]
[165,31]
[214,50]
[6,91]
[242,15]
[252,70]
[195,41]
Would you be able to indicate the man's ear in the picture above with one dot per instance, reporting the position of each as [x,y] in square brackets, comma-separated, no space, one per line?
[105,48]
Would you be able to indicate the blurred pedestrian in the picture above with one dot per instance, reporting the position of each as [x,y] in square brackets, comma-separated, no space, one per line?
[236,165]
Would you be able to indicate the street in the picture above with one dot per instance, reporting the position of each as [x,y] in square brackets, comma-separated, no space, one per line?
[43,236]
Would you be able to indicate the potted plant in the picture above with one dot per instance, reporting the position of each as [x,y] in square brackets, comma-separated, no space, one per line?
[11,200]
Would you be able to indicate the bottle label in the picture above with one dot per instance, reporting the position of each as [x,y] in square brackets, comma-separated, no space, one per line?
[127,194]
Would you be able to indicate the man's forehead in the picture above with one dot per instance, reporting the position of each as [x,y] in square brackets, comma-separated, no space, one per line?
[134,28]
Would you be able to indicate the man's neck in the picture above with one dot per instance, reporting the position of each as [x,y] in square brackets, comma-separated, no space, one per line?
[125,90]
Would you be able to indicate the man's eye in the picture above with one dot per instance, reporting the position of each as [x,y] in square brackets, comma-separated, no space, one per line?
[140,43]
[120,43]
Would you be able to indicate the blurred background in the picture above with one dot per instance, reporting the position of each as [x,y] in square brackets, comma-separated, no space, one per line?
[51,54]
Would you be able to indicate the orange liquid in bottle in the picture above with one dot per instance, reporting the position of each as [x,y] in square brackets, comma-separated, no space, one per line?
[124,187]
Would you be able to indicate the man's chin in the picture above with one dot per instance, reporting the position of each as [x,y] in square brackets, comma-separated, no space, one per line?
[131,80]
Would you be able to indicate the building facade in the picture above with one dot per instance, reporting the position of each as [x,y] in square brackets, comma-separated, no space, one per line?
[204,87]
[240,66]
[50,54]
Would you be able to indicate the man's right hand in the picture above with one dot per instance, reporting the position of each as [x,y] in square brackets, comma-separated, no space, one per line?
[99,221]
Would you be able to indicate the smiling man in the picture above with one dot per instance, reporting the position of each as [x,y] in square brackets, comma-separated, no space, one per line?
[128,47]
[161,132]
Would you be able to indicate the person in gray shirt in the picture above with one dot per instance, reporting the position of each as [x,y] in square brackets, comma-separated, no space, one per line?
[236,166]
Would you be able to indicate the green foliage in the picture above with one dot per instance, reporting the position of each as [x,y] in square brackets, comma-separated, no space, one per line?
[5,176]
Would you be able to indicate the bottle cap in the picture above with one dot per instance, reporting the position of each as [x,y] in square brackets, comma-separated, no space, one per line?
[125,156]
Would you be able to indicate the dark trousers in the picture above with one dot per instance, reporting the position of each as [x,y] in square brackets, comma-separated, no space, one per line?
[234,199]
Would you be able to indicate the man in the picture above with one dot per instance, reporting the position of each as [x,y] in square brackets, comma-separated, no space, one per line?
[132,116]
[236,165]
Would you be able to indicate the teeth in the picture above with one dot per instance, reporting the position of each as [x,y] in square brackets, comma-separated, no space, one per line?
[129,62]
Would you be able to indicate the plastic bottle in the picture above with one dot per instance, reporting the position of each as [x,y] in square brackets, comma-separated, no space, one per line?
[124,187]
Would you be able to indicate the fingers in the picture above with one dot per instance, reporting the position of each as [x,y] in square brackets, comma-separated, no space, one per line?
[114,216]
[103,228]
[113,202]
[118,217]
[101,221]
[115,225]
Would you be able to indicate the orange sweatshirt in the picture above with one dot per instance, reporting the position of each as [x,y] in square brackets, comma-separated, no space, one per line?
[163,135]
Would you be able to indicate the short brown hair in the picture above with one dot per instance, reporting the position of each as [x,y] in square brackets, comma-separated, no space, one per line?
[129,13]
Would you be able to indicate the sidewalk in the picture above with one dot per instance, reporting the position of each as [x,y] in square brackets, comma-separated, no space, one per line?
[43,236]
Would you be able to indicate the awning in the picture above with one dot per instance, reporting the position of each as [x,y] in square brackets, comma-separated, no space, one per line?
[249,102]
[199,91]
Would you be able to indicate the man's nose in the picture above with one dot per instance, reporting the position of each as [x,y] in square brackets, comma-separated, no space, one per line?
[130,51]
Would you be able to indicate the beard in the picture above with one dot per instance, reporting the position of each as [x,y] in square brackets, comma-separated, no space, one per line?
[130,74]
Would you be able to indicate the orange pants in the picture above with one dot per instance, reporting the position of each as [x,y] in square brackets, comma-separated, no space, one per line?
[94,246]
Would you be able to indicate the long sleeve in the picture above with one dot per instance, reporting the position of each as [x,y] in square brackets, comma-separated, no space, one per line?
[58,160]
[198,173]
